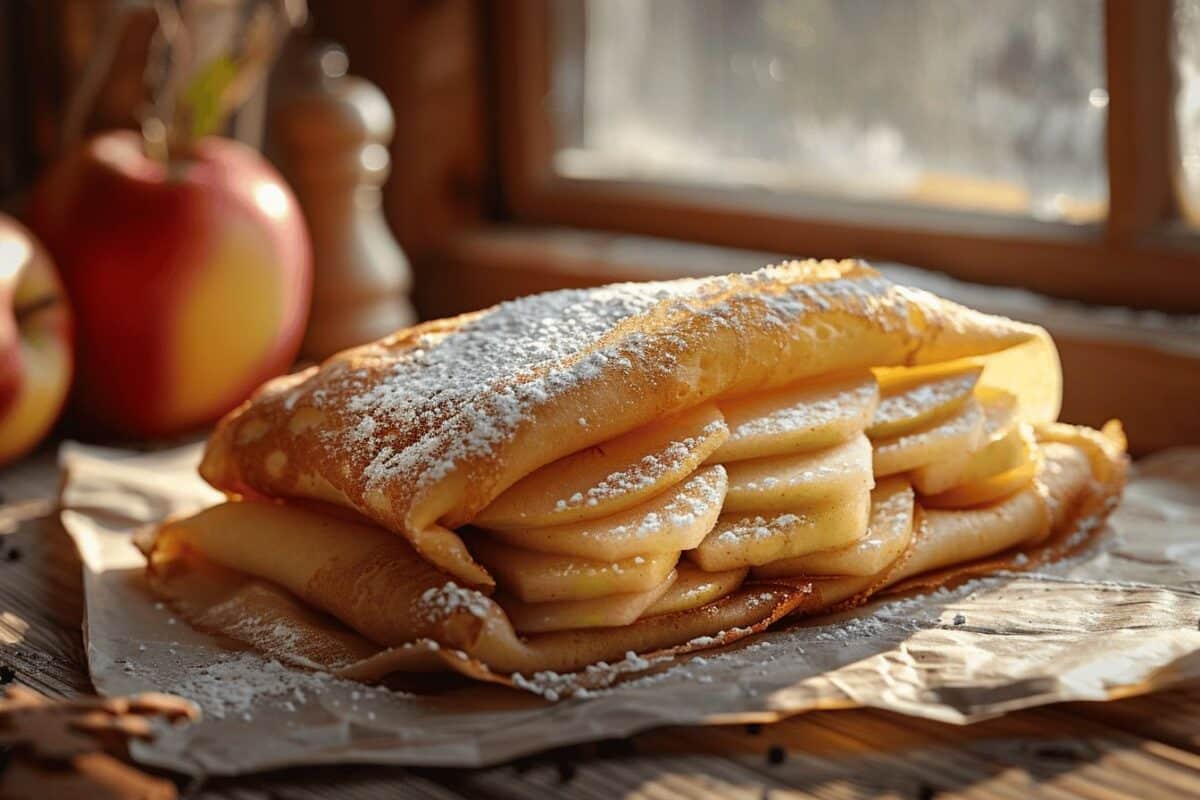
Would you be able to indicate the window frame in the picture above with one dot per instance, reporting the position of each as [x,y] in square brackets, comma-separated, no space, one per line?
[1141,255]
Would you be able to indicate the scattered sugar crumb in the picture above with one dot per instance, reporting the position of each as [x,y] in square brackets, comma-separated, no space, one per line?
[236,685]
[442,601]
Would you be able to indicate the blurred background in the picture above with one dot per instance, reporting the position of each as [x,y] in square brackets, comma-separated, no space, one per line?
[417,158]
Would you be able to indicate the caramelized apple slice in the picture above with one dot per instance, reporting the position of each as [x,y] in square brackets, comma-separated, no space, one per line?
[694,587]
[542,577]
[744,541]
[609,477]
[911,399]
[979,491]
[888,533]
[783,483]
[1000,450]
[675,520]
[963,431]
[598,612]
[797,418]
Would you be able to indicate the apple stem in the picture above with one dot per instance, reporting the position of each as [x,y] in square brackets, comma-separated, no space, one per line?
[154,140]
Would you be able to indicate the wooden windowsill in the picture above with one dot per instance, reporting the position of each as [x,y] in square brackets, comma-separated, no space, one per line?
[1141,367]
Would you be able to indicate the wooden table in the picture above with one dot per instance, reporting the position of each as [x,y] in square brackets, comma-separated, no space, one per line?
[1145,747]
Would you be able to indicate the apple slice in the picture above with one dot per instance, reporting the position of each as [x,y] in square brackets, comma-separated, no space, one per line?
[745,541]
[541,577]
[888,533]
[609,477]
[981,490]
[797,418]
[995,455]
[678,519]
[961,432]
[597,612]
[913,398]
[784,483]
[694,587]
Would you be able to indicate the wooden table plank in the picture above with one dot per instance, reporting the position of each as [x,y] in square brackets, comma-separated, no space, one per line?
[1134,748]
[41,608]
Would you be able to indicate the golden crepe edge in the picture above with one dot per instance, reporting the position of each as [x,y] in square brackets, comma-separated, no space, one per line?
[223,600]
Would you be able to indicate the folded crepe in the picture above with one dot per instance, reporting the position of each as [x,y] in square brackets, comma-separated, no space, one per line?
[640,469]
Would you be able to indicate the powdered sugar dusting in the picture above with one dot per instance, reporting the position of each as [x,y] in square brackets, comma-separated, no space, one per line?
[913,401]
[436,396]
[644,474]
[443,601]
[758,527]
[463,382]
[235,685]
[810,413]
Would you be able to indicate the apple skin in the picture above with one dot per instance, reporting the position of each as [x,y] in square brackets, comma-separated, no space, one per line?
[35,342]
[190,279]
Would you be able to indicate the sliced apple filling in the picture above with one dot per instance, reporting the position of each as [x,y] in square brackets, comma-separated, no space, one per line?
[800,473]
[783,483]
[693,587]
[912,398]
[609,477]
[888,533]
[746,540]
[597,612]
[941,440]
[678,519]
[997,471]
[995,454]
[790,490]
[799,418]
[542,577]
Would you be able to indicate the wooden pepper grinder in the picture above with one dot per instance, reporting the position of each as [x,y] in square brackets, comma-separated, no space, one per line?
[329,133]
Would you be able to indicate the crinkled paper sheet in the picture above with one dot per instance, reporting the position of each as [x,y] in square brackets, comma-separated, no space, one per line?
[1121,619]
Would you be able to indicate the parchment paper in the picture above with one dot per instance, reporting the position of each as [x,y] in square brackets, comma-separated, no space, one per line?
[1121,619]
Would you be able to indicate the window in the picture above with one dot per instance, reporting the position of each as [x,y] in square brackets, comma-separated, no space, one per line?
[1187,105]
[1053,145]
[1000,112]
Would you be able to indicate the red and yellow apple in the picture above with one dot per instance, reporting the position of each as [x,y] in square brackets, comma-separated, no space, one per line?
[35,342]
[190,278]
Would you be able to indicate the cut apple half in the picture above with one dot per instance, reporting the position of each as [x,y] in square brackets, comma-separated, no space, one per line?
[693,587]
[941,441]
[597,612]
[541,577]
[911,399]
[678,519]
[783,483]
[797,418]
[888,533]
[1001,448]
[609,477]
[741,540]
